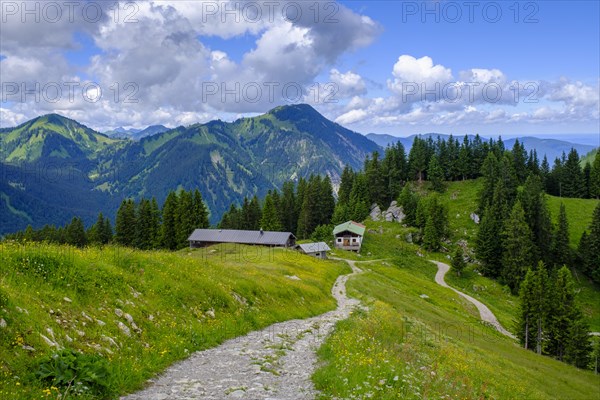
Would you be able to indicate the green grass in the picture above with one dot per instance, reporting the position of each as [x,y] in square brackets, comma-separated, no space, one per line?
[579,215]
[411,346]
[180,302]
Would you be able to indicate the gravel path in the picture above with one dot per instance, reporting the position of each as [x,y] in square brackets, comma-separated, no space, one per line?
[484,312]
[275,363]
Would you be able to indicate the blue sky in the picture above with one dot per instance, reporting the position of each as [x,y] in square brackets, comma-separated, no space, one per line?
[380,57]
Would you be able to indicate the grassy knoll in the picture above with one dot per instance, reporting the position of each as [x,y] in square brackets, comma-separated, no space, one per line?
[418,340]
[133,313]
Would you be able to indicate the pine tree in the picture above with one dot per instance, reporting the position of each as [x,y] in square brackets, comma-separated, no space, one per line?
[572,183]
[185,218]
[326,201]
[169,226]
[583,253]
[418,159]
[458,261]
[519,161]
[288,207]
[594,246]
[107,232]
[561,251]
[270,220]
[94,234]
[545,173]
[375,177]
[435,175]
[346,182]
[359,206]
[125,227]
[75,233]
[490,172]
[488,245]
[534,308]
[587,178]
[465,159]
[595,177]
[143,227]
[566,321]
[533,200]
[200,212]
[155,222]
[517,256]
[409,202]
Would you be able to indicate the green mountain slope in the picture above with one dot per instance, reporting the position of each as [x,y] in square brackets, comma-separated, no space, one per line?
[52,137]
[226,161]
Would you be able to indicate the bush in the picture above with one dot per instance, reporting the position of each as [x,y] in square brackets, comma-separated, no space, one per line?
[75,372]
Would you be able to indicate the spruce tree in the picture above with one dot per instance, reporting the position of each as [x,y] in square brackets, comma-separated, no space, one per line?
[594,246]
[143,227]
[488,246]
[435,175]
[409,202]
[595,177]
[270,219]
[96,231]
[519,161]
[125,227]
[572,183]
[490,173]
[184,218]
[418,159]
[518,248]
[458,261]
[326,201]
[566,321]
[561,251]
[288,207]
[534,308]
[200,212]
[75,233]
[169,226]
[107,232]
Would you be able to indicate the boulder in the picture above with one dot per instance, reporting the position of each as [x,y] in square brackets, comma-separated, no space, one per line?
[375,213]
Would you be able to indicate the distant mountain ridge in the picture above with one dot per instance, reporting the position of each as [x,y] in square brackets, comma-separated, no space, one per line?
[136,134]
[552,148]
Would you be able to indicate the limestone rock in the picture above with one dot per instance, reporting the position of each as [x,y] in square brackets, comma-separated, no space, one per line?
[475,218]
[375,213]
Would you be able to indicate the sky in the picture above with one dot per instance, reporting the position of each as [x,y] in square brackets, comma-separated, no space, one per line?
[397,67]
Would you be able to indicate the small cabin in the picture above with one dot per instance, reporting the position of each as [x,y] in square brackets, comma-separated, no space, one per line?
[318,249]
[206,237]
[349,236]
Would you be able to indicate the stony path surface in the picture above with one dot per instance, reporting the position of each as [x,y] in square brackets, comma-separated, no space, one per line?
[275,363]
[486,314]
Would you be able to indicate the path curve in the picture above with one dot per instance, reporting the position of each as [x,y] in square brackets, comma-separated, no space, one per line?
[486,314]
[274,363]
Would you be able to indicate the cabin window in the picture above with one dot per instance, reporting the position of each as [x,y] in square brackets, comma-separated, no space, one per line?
[339,240]
[353,240]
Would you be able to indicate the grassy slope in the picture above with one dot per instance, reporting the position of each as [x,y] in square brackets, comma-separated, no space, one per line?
[413,347]
[171,297]
[461,198]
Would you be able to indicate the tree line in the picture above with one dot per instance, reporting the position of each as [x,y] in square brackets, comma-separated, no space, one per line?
[141,225]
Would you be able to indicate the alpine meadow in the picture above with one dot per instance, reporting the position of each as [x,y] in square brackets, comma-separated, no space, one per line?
[299,200]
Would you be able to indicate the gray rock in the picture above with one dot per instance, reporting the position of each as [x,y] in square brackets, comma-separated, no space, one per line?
[409,237]
[475,218]
[3,323]
[118,312]
[124,328]
[375,213]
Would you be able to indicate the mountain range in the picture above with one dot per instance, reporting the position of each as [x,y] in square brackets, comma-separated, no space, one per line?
[53,168]
[136,134]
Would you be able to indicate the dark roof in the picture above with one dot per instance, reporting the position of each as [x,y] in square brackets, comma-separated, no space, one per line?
[243,237]
[314,247]
[350,226]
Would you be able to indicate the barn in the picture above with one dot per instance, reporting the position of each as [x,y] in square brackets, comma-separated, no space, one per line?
[349,236]
[206,237]
[318,249]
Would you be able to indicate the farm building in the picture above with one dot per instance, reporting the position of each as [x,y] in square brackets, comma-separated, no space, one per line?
[318,249]
[349,236]
[206,237]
